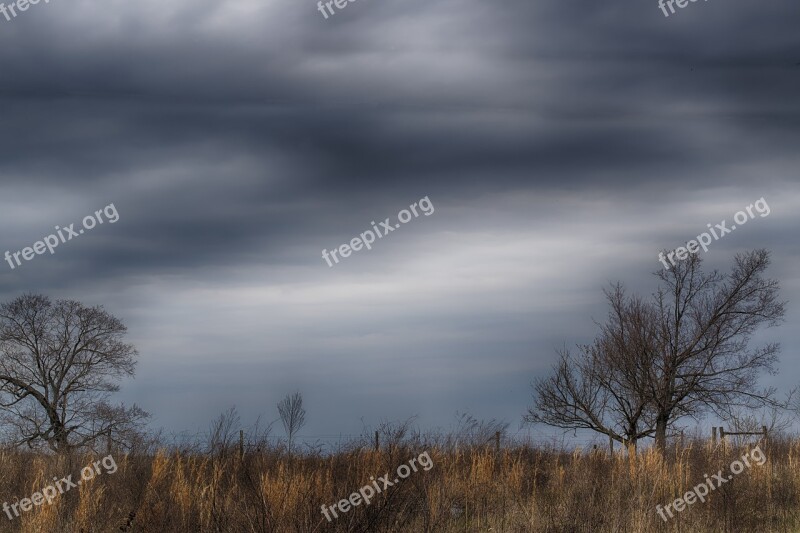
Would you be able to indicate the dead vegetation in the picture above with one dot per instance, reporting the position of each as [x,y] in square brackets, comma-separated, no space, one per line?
[469,489]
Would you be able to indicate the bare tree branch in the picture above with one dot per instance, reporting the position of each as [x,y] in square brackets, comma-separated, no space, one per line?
[59,362]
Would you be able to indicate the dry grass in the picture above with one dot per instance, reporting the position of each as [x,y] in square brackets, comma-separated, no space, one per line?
[516,490]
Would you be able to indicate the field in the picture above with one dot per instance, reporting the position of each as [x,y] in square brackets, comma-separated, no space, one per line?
[470,489]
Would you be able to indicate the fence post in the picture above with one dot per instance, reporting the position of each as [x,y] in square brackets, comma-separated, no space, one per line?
[241,444]
[681,439]
[497,441]
[764,428]
[377,442]
[714,435]
[611,444]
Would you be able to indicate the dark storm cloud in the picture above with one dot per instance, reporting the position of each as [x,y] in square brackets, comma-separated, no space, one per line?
[562,144]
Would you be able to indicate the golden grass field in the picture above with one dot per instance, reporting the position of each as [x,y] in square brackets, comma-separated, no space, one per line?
[517,489]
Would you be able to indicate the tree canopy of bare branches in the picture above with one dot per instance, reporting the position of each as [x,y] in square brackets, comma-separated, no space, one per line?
[293,416]
[683,353]
[59,364]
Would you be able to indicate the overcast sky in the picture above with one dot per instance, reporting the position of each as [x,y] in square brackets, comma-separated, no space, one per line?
[562,145]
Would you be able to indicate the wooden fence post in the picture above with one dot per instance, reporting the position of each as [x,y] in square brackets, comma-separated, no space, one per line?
[714,435]
[377,442]
[764,428]
[497,442]
[241,444]
[611,444]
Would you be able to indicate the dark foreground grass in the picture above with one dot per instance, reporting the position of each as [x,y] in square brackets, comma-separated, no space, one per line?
[519,489]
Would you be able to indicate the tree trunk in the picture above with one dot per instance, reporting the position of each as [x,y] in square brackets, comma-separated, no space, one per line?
[631,445]
[60,439]
[661,435]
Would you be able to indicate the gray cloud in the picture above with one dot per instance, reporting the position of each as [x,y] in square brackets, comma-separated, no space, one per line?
[562,146]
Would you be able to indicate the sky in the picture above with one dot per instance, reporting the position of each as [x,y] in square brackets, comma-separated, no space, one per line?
[561,146]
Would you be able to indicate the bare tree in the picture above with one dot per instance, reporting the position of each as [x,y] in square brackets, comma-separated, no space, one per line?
[604,387]
[258,435]
[59,364]
[706,321]
[684,353]
[293,416]
[777,421]
[222,432]
[473,432]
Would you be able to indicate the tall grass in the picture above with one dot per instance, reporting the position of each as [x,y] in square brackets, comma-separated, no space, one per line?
[518,489]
